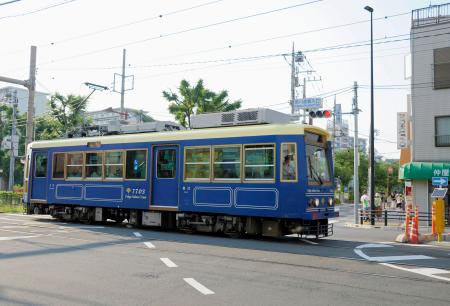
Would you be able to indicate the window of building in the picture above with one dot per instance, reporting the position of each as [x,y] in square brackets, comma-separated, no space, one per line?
[136,165]
[74,167]
[94,165]
[441,68]
[40,165]
[259,162]
[113,165]
[442,137]
[197,163]
[166,163]
[289,162]
[227,163]
[58,165]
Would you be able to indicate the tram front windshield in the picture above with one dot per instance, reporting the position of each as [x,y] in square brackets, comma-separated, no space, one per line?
[317,164]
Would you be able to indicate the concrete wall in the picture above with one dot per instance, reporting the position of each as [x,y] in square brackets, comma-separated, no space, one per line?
[427,102]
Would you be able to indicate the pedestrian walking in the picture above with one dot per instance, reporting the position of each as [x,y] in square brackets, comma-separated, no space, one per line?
[365,202]
[378,205]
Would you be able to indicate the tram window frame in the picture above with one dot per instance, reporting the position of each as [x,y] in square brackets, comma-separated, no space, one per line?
[274,164]
[214,162]
[145,164]
[185,163]
[106,165]
[54,164]
[86,165]
[76,178]
[41,174]
[295,159]
[158,170]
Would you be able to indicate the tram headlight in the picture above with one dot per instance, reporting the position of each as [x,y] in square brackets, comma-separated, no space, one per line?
[330,202]
[317,202]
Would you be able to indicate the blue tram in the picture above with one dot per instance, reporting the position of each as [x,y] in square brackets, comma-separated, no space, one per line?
[271,179]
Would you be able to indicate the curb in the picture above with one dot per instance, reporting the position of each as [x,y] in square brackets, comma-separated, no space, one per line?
[368,226]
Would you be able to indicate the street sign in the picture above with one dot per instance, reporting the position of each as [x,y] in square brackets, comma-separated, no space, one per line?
[308,103]
[439,193]
[439,181]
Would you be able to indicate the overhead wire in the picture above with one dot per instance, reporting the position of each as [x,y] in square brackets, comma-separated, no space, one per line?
[38,10]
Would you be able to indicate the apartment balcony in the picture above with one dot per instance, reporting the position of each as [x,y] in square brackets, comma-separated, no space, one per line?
[435,14]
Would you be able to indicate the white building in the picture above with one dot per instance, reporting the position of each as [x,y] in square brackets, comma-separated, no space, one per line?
[40,99]
[105,116]
[430,103]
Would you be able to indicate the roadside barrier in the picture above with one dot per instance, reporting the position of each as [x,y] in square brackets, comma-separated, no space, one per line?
[398,218]
[414,234]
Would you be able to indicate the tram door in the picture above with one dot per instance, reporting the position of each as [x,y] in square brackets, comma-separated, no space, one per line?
[39,176]
[165,176]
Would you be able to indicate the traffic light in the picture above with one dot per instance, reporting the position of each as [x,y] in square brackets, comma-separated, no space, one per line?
[320,114]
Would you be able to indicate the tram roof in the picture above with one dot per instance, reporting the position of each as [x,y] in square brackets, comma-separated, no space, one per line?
[222,132]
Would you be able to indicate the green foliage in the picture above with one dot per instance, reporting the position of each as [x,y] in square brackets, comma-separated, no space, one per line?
[197,98]
[48,127]
[343,168]
[68,111]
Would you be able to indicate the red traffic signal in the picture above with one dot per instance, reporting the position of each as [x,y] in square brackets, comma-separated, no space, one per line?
[320,114]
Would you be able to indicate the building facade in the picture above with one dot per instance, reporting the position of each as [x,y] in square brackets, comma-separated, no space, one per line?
[429,105]
[105,116]
[40,99]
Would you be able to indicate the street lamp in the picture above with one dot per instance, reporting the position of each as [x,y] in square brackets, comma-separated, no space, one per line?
[372,146]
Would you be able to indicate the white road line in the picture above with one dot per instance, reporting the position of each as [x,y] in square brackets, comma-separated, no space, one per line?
[373,245]
[430,272]
[168,262]
[411,245]
[137,234]
[17,237]
[307,241]
[149,245]
[391,258]
[198,286]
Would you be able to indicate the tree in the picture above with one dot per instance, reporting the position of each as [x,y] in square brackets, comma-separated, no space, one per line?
[197,99]
[68,111]
[182,105]
[48,127]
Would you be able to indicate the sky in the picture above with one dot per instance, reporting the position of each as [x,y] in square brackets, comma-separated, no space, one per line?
[238,46]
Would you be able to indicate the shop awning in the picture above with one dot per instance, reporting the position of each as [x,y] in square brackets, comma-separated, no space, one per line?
[423,170]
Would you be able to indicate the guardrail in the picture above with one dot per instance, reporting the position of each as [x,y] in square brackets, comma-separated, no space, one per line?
[394,217]
[10,201]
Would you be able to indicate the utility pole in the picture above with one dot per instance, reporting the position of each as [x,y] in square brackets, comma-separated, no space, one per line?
[355,154]
[293,79]
[334,130]
[30,84]
[122,90]
[12,159]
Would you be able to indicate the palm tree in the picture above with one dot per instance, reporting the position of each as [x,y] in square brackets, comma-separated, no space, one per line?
[182,106]
[197,99]
[217,102]
[68,110]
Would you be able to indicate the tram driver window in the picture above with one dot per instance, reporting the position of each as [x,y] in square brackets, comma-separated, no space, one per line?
[166,163]
[289,162]
[74,166]
[259,162]
[40,166]
[58,165]
[136,164]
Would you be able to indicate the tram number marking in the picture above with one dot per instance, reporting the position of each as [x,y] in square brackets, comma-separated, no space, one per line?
[135,193]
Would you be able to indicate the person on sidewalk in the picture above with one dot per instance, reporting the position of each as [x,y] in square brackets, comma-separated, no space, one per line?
[365,201]
[378,206]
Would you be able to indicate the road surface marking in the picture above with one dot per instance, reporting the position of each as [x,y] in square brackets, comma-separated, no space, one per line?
[333,221]
[168,262]
[17,237]
[412,245]
[307,241]
[149,245]
[137,234]
[430,272]
[359,252]
[198,286]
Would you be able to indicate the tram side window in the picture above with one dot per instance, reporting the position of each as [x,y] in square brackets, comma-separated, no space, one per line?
[58,165]
[113,165]
[93,162]
[166,163]
[227,163]
[40,165]
[74,167]
[259,162]
[197,163]
[289,162]
[136,164]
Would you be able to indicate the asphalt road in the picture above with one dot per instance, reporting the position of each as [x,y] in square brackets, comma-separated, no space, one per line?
[45,262]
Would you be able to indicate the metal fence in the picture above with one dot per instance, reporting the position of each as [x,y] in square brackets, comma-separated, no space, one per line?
[387,217]
[10,201]
[434,14]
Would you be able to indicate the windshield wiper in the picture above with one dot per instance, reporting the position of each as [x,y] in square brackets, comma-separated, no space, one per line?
[312,170]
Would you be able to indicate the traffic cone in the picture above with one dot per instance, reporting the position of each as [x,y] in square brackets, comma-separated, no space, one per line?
[407,224]
[414,234]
